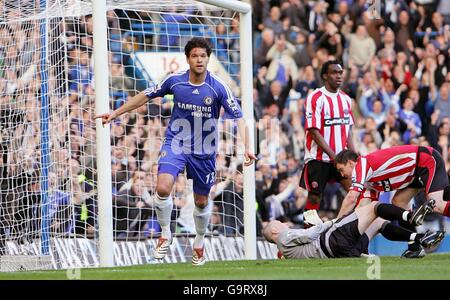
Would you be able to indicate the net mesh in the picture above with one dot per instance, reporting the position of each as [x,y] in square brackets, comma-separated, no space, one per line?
[48,174]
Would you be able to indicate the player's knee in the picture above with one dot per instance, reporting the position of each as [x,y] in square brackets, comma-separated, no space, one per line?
[163,190]
[201,201]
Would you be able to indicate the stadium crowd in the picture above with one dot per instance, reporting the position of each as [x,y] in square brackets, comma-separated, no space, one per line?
[397,71]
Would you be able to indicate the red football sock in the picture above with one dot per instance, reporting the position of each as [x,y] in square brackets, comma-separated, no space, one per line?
[447,209]
[311,206]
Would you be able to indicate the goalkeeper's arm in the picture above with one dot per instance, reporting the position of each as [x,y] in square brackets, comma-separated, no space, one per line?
[306,236]
[135,102]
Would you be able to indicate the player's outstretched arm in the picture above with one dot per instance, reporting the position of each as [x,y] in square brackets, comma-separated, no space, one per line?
[244,134]
[135,102]
[348,204]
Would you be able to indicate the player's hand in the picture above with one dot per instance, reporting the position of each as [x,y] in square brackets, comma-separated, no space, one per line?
[311,217]
[106,118]
[249,158]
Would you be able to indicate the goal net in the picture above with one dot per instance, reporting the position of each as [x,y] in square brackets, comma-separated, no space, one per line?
[49,201]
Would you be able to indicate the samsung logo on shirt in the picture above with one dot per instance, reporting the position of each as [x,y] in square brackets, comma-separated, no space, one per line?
[194,107]
[337,121]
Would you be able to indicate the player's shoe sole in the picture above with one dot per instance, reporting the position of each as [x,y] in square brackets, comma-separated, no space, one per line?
[414,254]
[419,215]
[432,239]
[198,259]
[162,247]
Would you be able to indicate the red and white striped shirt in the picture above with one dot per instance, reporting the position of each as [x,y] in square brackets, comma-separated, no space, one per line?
[331,114]
[385,170]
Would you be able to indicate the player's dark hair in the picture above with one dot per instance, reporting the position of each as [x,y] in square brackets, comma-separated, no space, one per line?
[345,155]
[197,42]
[326,65]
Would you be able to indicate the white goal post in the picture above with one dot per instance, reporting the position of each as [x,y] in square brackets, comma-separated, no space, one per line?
[103,133]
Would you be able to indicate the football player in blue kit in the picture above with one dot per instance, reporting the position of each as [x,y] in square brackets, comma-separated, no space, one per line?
[191,139]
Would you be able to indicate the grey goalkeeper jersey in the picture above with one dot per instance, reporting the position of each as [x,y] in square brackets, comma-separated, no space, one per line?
[302,243]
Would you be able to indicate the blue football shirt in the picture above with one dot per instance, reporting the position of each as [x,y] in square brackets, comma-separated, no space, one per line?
[192,127]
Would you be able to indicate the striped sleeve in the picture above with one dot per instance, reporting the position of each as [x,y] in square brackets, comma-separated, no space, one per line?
[161,89]
[313,111]
[359,175]
[227,99]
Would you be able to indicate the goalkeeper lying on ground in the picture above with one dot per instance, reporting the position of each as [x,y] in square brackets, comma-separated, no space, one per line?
[350,235]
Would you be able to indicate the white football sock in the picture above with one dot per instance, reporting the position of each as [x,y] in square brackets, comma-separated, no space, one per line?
[201,220]
[163,212]
[405,215]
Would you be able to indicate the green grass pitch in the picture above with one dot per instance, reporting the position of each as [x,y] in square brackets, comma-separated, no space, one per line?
[433,266]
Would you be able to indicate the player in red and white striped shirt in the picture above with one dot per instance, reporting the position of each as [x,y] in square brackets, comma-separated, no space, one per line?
[406,169]
[328,122]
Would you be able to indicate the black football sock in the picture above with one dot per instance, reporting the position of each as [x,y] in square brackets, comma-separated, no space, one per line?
[413,245]
[395,233]
[391,212]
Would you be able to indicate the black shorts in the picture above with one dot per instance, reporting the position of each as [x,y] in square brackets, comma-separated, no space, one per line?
[430,171]
[316,174]
[343,239]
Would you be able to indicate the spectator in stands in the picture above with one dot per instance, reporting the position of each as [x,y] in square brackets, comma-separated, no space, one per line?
[442,101]
[80,74]
[273,93]
[362,48]
[231,204]
[274,20]
[376,111]
[267,41]
[282,63]
[404,29]
[412,119]
[131,208]
[171,39]
[392,124]
[303,50]
[307,82]
[120,82]
[317,16]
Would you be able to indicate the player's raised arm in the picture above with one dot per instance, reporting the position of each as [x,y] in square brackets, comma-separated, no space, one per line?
[135,102]
[140,99]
